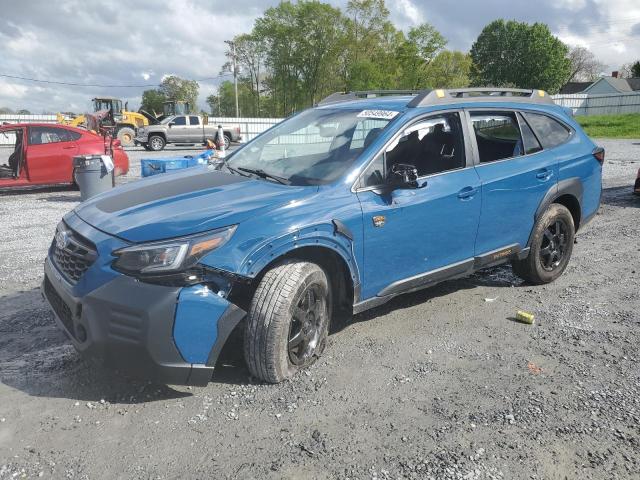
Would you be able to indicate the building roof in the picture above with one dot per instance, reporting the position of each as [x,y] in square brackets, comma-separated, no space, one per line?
[634,83]
[618,84]
[575,87]
[621,85]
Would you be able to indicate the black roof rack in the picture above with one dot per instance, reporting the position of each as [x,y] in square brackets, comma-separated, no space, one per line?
[423,98]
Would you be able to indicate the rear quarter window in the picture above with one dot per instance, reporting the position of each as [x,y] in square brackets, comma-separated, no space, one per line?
[550,132]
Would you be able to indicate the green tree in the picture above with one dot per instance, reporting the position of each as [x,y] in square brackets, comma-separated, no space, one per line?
[302,41]
[416,53]
[635,69]
[516,53]
[152,101]
[23,112]
[176,88]
[367,59]
[448,69]
[223,104]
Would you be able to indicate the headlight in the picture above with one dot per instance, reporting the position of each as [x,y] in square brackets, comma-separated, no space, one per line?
[170,256]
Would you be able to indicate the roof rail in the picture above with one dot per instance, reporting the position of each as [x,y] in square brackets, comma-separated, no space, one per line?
[440,96]
[355,95]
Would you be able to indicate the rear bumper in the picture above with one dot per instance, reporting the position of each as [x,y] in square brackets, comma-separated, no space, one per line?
[131,326]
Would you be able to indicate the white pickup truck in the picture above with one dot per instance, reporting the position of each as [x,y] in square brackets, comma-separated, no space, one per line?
[184,129]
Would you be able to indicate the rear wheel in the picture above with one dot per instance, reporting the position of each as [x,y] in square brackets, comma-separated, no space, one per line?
[156,143]
[126,136]
[551,247]
[288,321]
[227,141]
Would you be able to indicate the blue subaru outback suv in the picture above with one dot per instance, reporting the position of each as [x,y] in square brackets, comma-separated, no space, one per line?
[336,209]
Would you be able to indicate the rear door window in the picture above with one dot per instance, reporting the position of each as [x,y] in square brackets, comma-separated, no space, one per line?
[498,135]
[194,121]
[550,132]
[531,143]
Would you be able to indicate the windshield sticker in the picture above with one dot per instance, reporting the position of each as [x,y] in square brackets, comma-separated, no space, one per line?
[382,114]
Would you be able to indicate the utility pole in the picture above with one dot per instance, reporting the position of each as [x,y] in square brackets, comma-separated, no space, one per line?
[235,76]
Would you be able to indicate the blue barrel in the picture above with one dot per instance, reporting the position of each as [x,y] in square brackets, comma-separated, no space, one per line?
[155,166]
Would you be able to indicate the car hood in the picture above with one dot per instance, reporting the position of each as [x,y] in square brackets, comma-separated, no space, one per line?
[184,203]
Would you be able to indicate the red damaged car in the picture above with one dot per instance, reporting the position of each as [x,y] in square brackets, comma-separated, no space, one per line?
[38,154]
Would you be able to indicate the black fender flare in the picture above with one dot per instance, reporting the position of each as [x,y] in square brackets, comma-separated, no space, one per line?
[569,186]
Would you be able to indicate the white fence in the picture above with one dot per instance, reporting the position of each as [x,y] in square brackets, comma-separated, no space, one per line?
[249,127]
[607,104]
[15,118]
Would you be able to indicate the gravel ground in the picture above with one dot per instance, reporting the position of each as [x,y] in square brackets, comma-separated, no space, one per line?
[436,384]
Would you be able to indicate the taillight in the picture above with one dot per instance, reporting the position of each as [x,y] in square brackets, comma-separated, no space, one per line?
[598,152]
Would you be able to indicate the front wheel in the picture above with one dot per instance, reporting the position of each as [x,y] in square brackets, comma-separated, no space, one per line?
[288,321]
[156,143]
[126,136]
[551,247]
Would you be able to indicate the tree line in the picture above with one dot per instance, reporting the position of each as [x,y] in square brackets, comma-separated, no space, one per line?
[299,52]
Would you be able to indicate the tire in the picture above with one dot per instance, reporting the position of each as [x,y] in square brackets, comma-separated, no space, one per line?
[288,321]
[551,247]
[156,143]
[126,136]
[227,141]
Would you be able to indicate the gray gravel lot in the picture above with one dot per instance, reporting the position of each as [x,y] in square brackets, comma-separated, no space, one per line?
[436,384]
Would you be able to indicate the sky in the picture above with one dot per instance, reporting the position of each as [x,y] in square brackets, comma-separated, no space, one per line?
[116,43]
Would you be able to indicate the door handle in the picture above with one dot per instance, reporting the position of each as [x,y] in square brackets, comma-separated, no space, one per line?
[71,147]
[467,193]
[544,174]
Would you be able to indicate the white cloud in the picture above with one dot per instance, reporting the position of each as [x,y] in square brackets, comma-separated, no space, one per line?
[12,90]
[102,43]
[410,12]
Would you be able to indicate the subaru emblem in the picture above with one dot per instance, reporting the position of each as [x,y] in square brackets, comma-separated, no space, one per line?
[62,239]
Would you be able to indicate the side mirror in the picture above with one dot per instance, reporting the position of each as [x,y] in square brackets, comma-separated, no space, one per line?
[171,124]
[403,176]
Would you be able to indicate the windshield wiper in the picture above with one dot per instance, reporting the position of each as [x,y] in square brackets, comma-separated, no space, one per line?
[222,162]
[262,174]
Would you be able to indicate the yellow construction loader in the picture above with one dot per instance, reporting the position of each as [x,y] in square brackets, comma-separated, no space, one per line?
[126,122]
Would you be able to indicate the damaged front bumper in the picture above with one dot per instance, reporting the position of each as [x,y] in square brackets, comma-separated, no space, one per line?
[165,334]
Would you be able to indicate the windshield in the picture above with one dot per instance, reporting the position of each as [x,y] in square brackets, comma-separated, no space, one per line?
[164,121]
[313,148]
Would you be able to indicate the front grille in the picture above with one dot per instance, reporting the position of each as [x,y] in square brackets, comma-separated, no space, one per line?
[71,254]
[62,309]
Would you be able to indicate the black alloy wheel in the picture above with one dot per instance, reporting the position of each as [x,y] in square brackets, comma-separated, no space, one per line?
[553,245]
[309,320]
